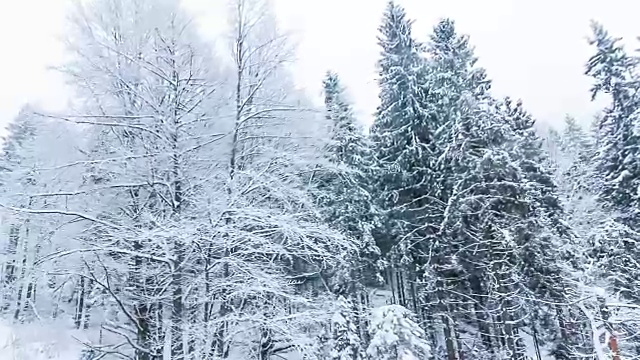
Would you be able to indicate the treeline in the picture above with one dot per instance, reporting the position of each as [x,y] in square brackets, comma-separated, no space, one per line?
[195,205]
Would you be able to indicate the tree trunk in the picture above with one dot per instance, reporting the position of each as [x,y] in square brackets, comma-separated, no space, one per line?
[564,333]
[9,277]
[266,344]
[535,342]
[512,340]
[450,337]
[77,316]
[142,310]
[480,315]
[221,348]
[177,309]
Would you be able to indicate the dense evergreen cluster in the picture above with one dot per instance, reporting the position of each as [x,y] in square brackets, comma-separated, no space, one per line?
[186,207]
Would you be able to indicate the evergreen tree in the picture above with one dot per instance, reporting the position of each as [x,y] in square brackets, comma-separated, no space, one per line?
[396,336]
[401,133]
[546,258]
[346,202]
[345,193]
[577,148]
[21,129]
[31,155]
[347,145]
[17,176]
[574,176]
[456,92]
[617,170]
[453,67]
[573,140]
[346,342]
[484,211]
[614,73]
[403,144]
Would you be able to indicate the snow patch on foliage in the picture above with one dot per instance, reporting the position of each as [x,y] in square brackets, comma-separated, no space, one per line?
[393,332]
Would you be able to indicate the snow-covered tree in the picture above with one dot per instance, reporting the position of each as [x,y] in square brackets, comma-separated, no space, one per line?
[396,336]
[457,93]
[403,152]
[345,342]
[343,182]
[547,258]
[194,204]
[194,221]
[576,162]
[614,73]
[401,133]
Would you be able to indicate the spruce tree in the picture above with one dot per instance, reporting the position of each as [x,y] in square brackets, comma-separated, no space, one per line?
[575,176]
[573,140]
[483,214]
[577,148]
[617,169]
[614,73]
[402,137]
[346,203]
[453,65]
[16,176]
[401,134]
[395,335]
[346,198]
[346,342]
[343,193]
[544,236]
[457,96]
[21,129]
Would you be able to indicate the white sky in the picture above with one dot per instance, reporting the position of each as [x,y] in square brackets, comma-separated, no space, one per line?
[532,49]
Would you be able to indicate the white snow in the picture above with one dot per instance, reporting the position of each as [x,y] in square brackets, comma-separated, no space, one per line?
[37,342]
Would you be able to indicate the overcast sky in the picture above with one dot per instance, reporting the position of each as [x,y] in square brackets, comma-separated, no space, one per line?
[532,49]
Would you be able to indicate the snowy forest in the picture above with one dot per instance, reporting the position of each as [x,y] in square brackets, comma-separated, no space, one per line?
[193,203]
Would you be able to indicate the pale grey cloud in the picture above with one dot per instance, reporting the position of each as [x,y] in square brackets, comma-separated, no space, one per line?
[534,50]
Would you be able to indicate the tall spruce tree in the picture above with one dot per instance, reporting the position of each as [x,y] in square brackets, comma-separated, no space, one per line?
[346,202]
[404,152]
[401,133]
[573,140]
[16,175]
[614,73]
[618,156]
[346,199]
[480,224]
[545,237]
[456,91]
[343,187]
[575,176]
[499,213]
[615,242]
